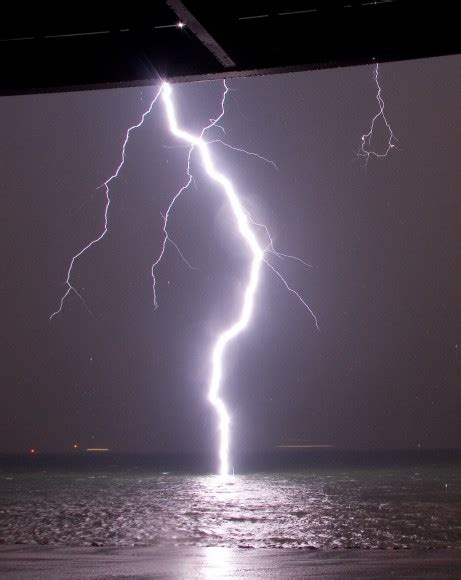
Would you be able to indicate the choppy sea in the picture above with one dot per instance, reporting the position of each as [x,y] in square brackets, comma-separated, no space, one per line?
[392,501]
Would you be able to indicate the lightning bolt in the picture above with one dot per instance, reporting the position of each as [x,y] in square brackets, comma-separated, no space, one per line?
[245,225]
[365,149]
[106,186]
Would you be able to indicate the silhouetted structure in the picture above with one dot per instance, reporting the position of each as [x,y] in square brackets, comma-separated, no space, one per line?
[73,48]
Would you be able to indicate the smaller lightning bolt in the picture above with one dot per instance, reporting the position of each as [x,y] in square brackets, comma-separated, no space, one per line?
[365,150]
[106,186]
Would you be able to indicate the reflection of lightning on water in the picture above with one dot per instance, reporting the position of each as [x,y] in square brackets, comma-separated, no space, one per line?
[365,149]
[259,254]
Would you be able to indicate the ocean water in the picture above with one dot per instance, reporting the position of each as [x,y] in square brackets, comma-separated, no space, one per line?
[412,502]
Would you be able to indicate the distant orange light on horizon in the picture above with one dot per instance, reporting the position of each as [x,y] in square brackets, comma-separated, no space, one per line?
[303,446]
[96,449]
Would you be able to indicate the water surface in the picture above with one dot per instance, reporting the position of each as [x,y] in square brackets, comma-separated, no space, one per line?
[407,505]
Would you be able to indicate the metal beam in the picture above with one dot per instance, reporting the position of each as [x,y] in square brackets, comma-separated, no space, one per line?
[50,51]
[188,19]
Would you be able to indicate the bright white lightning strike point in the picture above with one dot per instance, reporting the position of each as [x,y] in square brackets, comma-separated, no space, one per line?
[244,224]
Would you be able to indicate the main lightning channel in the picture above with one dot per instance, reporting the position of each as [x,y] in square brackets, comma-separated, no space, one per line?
[243,221]
[257,260]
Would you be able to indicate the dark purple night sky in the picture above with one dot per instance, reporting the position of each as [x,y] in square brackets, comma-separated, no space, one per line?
[384,242]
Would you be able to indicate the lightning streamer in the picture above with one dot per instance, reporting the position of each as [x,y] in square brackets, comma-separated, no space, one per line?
[245,225]
[365,149]
[69,286]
